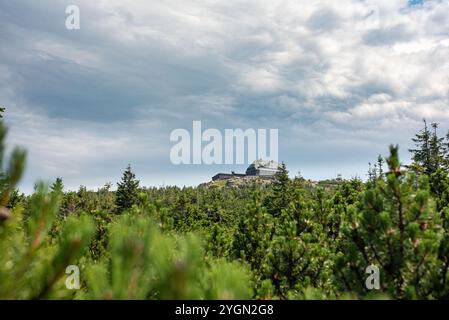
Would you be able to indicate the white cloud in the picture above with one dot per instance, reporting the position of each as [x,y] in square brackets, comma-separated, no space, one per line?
[347,70]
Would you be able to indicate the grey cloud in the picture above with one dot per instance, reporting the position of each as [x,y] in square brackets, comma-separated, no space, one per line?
[324,20]
[388,36]
[135,71]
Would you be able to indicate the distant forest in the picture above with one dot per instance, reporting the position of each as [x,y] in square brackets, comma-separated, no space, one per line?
[289,239]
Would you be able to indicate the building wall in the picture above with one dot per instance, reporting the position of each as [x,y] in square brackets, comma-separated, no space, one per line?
[260,172]
[251,171]
[225,176]
[266,172]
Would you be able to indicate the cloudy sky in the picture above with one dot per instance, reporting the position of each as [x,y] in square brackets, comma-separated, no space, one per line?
[340,80]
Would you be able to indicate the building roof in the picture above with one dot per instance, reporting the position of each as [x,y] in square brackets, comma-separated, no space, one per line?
[227,175]
[264,164]
[257,168]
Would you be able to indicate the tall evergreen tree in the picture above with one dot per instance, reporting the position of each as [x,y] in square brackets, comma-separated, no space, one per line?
[372,175]
[380,164]
[58,185]
[127,190]
[428,156]
[282,192]
[436,149]
[446,150]
[421,155]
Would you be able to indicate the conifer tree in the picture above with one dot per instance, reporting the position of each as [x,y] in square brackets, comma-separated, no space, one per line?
[380,165]
[15,199]
[372,175]
[431,157]
[30,266]
[58,185]
[439,186]
[422,155]
[396,228]
[142,263]
[429,153]
[253,236]
[299,256]
[282,192]
[127,190]
[436,149]
[218,241]
[446,150]
[10,174]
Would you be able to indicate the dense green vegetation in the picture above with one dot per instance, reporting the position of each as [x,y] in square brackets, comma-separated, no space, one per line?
[291,239]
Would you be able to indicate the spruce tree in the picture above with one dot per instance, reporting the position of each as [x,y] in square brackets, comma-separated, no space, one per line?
[58,185]
[380,165]
[127,191]
[282,192]
[421,156]
[428,156]
[436,149]
[372,175]
[446,151]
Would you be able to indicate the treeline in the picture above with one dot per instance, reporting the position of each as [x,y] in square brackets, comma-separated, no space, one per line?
[287,240]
